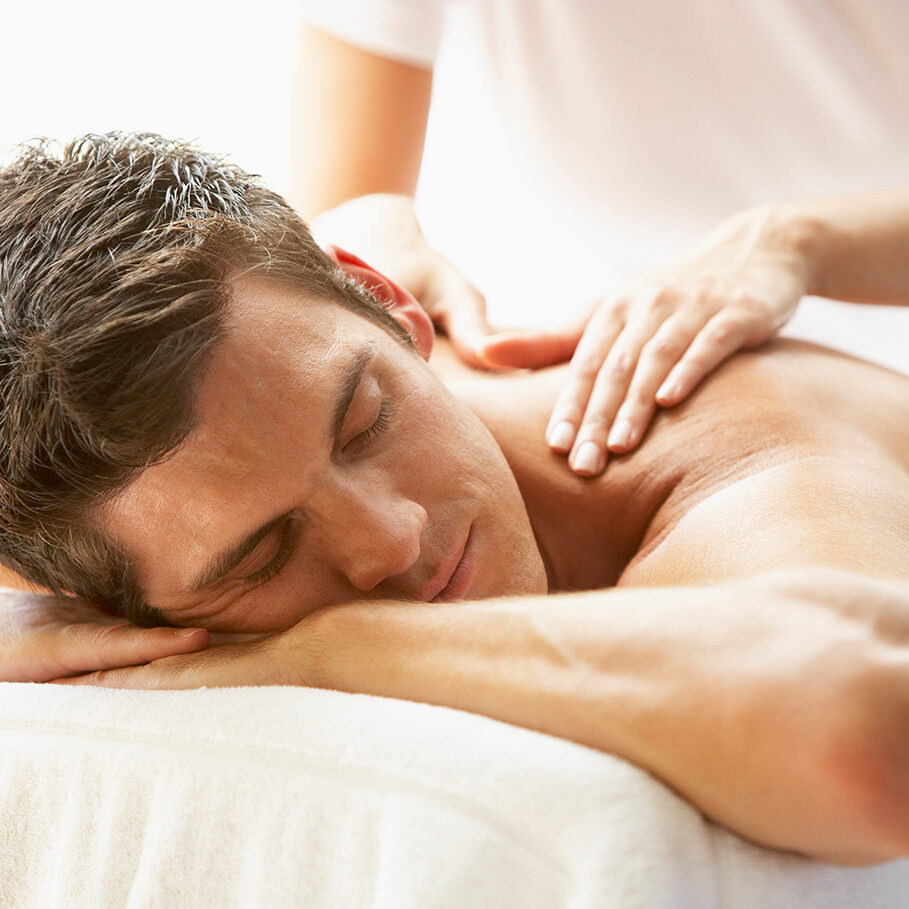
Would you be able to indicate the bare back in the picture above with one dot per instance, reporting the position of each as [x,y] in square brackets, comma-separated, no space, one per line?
[789,455]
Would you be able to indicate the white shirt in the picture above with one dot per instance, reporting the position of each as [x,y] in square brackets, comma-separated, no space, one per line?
[575,145]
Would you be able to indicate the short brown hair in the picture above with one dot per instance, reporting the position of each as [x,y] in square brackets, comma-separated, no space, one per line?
[115,264]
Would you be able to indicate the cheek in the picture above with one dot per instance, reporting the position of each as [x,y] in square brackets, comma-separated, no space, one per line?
[306,584]
[438,426]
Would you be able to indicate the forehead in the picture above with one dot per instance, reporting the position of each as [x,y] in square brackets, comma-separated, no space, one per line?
[273,377]
[280,362]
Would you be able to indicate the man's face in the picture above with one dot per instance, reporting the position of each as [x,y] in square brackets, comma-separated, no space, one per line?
[328,465]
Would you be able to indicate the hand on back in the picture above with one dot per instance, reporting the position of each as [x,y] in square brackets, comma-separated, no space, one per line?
[651,346]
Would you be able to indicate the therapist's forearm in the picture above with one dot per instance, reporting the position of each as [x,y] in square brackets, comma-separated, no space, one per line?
[856,246]
[358,125]
[727,693]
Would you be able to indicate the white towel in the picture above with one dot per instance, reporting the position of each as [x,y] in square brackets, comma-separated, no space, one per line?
[273,797]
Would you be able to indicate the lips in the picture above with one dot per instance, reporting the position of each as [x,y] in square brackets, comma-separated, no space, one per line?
[455,574]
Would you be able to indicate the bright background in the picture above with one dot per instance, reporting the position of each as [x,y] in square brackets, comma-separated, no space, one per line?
[222,74]
[219,73]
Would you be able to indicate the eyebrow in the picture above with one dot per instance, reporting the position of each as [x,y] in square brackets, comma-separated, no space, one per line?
[228,559]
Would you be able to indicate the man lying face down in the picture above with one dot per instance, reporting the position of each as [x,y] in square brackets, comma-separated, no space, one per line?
[210,422]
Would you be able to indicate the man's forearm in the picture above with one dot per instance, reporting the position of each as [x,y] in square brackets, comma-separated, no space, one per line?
[740,696]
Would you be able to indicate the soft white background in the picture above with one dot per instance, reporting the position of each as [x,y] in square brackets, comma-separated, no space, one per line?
[219,73]
[222,73]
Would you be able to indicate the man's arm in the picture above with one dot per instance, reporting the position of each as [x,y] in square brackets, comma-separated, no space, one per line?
[778,705]
[44,637]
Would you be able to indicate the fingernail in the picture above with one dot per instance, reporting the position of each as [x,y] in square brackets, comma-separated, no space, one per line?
[188,632]
[561,436]
[669,391]
[588,458]
[621,434]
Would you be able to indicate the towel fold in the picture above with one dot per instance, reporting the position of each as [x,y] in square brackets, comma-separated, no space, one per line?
[298,797]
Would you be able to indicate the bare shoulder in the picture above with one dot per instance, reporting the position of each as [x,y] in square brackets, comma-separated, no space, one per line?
[840,512]
[808,464]
[787,456]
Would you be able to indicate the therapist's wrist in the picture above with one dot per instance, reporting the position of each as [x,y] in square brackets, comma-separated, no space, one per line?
[803,239]
[378,227]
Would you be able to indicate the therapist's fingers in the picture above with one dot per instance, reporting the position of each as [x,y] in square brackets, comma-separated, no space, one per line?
[721,337]
[594,347]
[658,356]
[589,452]
[461,313]
[529,349]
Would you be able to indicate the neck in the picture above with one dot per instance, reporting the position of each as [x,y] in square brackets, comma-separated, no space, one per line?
[587,529]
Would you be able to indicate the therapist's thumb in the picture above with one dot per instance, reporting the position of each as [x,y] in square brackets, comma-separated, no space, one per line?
[527,348]
[463,318]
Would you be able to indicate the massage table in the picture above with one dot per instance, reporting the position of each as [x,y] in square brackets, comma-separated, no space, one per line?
[294,797]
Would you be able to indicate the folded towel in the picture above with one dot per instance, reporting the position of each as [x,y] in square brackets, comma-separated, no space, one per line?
[255,797]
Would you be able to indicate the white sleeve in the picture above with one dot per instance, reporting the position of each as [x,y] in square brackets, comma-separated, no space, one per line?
[406,30]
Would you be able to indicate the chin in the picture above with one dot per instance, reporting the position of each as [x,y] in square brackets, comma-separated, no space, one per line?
[515,570]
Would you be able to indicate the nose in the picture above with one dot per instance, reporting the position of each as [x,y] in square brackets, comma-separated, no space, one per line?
[374,536]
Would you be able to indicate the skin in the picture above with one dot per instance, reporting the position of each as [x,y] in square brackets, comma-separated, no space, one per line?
[418,487]
[248,462]
[368,520]
[769,459]
[361,129]
[767,468]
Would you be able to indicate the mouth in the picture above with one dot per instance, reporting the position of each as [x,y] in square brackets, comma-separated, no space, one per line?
[456,574]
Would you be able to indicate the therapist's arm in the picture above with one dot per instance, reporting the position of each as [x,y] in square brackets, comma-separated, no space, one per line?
[858,245]
[359,125]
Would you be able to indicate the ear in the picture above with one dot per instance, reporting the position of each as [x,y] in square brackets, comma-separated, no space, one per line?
[399,302]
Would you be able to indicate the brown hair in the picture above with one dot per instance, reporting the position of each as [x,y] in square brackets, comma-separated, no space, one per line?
[115,266]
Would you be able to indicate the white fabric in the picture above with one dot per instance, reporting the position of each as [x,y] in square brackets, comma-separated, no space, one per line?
[297,797]
[407,30]
[575,145]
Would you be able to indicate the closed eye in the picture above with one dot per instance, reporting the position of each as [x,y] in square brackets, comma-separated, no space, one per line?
[290,530]
[378,426]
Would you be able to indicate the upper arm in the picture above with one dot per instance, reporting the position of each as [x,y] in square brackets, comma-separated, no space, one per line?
[813,512]
[359,123]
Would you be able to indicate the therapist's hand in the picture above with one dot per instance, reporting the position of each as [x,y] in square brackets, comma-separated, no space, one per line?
[455,306]
[383,229]
[44,637]
[654,345]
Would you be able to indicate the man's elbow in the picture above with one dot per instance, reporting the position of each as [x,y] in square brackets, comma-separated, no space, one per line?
[866,763]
